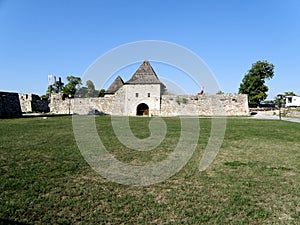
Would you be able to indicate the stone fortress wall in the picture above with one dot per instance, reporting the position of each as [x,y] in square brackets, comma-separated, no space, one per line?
[13,104]
[171,105]
[9,105]
[33,103]
[82,106]
[206,105]
[142,94]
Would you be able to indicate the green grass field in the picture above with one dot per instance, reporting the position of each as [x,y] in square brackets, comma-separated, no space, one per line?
[255,179]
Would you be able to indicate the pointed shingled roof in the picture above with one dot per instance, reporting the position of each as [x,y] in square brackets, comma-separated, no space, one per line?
[115,86]
[144,75]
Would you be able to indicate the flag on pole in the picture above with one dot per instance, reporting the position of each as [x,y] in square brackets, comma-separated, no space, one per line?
[50,79]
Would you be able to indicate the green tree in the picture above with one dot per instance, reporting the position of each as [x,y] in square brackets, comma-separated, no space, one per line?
[253,83]
[89,91]
[92,92]
[81,92]
[101,93]
[53,88]
[289,93]
[70,88]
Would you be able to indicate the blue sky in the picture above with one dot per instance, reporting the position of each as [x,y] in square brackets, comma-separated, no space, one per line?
[63,38]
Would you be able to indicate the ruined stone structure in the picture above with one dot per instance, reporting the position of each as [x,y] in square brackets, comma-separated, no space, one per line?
[33,103]
[143,95]
[207,105]
[9,105]
[86,106]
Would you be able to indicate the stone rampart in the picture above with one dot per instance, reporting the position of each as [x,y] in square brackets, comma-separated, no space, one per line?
[171,105]
[82,106]
[9,105]
[207,105]
[33,103]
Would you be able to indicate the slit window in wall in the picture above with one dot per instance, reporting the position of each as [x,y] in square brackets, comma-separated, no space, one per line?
[148,95]
[137,95]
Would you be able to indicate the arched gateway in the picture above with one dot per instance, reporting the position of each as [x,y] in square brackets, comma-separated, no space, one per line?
[142,110]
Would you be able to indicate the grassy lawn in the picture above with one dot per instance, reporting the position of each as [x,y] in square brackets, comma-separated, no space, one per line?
[255,179]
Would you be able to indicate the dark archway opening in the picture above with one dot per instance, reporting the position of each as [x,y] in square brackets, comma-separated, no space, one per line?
[142,110]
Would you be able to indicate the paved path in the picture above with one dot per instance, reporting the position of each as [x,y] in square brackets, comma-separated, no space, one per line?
[295,120]
[268,116]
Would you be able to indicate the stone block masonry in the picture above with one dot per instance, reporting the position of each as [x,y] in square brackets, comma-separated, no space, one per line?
[33,103]
[82,106]
[207,105]
[170,105]
[9,105]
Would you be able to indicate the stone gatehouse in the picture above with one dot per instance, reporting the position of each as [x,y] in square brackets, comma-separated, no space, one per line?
[143,95]
[140,95]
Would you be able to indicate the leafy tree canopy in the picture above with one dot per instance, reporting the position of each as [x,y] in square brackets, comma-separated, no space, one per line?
[53,88]
[91,90]
[289,93]
[70,88]
[253,83]
[74,87]
[101,93]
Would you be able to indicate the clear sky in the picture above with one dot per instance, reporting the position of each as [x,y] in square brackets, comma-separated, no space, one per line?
[63,37]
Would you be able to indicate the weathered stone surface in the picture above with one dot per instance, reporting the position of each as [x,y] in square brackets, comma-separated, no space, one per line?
[59,106]
[9,105]
[130,96]
[81,106]
[33,103]
[207,105]
[124,103]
